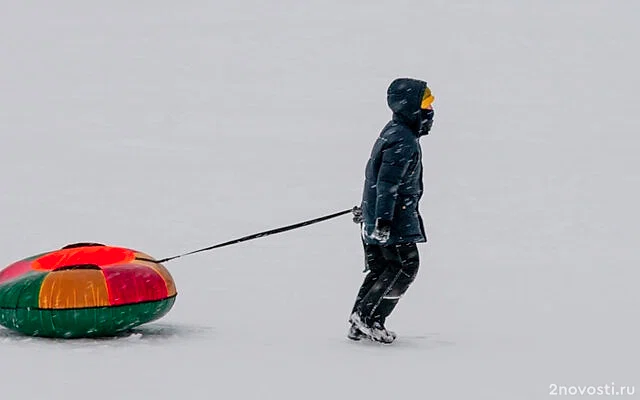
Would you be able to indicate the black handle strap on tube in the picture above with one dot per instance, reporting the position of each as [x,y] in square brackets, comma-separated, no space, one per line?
[255,236]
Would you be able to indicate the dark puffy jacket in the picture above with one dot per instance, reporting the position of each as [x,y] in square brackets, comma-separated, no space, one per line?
[393,177]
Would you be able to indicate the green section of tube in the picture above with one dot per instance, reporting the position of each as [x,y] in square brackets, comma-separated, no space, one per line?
[79,322]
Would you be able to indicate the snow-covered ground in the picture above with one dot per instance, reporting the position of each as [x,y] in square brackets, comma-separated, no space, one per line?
[168,126]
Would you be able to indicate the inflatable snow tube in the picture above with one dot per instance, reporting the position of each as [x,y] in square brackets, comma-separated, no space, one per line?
[84,290]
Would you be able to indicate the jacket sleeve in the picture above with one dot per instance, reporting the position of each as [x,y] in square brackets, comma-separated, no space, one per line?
[395,162]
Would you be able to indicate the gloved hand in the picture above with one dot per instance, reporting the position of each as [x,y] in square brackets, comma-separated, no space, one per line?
[357,215]
[382,231]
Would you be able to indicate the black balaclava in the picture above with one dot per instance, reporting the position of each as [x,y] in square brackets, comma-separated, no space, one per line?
[426,121]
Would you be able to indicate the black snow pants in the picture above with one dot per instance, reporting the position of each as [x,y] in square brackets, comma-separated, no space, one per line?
[392,269]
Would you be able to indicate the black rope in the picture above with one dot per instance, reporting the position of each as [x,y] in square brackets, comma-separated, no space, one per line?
[254,236]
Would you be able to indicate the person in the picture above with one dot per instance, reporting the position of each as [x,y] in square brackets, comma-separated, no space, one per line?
[389,216]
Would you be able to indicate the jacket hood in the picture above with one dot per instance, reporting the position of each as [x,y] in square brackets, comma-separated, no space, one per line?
[404,97]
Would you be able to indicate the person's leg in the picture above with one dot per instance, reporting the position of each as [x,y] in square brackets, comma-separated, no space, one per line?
[401,267]
[375,265]
[408,258]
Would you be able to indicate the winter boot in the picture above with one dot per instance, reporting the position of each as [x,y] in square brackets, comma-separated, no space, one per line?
[374,331]
[355,333]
